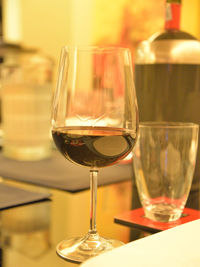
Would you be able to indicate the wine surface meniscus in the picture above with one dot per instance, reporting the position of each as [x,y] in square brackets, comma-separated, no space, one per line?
[93,147]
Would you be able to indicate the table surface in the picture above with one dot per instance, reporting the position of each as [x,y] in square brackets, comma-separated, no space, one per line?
[30,233]
[165,249]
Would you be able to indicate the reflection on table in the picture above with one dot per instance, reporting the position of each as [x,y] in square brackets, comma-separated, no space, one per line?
[30,233]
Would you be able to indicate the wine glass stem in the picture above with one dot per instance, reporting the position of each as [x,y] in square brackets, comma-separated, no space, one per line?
[93,200]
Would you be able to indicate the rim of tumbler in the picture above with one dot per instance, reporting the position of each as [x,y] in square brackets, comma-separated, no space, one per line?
[166,124]
[95,48]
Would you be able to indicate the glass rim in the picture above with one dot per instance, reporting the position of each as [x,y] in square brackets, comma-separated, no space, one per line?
[95,48]
[167,124]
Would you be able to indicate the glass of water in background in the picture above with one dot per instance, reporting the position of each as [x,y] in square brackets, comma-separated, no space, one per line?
[26,107]
[164,161]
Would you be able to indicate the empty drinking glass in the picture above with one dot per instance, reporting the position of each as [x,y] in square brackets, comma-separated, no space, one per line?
[164,162]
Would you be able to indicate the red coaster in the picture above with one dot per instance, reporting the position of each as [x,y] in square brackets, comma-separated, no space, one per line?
[136,218]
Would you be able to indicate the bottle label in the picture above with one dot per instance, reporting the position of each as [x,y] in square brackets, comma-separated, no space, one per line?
[168,15]
[172,16]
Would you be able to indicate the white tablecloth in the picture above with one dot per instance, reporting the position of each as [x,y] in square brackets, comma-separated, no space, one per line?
[176,247]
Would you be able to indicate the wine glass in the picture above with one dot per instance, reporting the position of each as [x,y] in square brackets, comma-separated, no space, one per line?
[94,124]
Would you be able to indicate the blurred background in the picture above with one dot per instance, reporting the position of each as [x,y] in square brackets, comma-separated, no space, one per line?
[48,24]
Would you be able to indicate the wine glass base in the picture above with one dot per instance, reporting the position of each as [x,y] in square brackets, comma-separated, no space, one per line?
[80,249]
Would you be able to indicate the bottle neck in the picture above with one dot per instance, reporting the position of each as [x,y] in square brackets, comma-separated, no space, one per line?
[172,16]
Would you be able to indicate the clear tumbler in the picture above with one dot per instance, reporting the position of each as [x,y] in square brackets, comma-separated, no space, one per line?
[164,162]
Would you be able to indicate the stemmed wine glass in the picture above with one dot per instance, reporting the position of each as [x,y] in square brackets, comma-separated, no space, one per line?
[94,124]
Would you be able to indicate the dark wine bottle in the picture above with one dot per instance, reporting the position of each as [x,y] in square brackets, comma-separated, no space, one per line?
[167,75]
